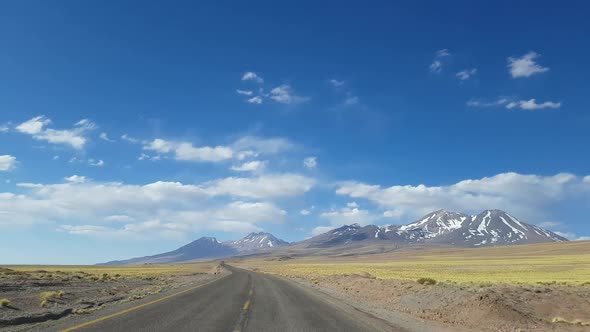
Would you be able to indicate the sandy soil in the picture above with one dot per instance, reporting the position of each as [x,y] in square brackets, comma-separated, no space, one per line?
[78,292]
[474,307]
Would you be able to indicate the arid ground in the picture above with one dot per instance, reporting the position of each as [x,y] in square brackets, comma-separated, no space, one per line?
[543,287]
[33,294]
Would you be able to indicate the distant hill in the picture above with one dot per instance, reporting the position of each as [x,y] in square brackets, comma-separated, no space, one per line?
[203,248]
[209,248]
[440,228]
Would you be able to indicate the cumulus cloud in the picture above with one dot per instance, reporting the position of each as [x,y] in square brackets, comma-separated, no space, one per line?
[526,196]
[336,83]
[466,74]
[7,163]
[531,105]
[243,148]
[442,53]
[437,64]
[321,230]
[525,66]
[250,166]
[95,162]
[130,139]
[305,212]
[351,100]
[271,185]
[351,214]
[75,137]
[119,218]
[185,151]
[76,179]
[105,137]
[480,103]
[310,162]
[148,209]
[255,100]
[254,145]
[348,215]
[284,94]
[252,76]
[244,92]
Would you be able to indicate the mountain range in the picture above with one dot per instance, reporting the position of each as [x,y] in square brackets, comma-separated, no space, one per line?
[489,228]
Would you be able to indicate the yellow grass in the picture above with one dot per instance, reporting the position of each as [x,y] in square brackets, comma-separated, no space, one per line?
[4,302]
[546,263]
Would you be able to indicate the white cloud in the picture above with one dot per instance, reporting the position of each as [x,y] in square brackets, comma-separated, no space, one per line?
[119,218]
[185,151]
[33,126]
[393,214]
[4,128]
[466,74]
[105,137]
[147,210]
[255,100]
[243,148]
[250,166]
[74,137]
[85,123]
[246,154]
[305,212]
[7,162]
[525,66]
[352,100]
[310,162]
[75,179]
[443,53]
[251,76]
[129,139]
[352,205]
[253,145]
[96,163]
[480,103]
[321,229]
[525,196]
[336,83]
[532,104]
[244,92]
[437,64]
[145,156]
[351,214]
[284,94]
[266,186]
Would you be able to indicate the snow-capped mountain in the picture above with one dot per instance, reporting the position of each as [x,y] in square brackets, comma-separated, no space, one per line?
[356,232]
[437,223]
[489,228]
[496,227]
[257,241]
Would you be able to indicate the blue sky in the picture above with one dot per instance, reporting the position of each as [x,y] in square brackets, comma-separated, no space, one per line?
[129,128]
